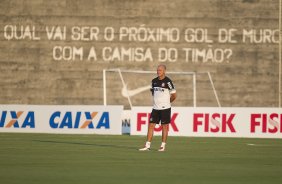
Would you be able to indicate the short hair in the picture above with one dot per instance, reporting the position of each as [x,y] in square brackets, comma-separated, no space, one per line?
[162,65]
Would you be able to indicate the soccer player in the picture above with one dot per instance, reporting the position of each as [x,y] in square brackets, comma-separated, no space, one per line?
[164,94]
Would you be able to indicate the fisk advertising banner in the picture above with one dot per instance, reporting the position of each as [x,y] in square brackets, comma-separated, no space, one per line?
[214,122]
[72,119]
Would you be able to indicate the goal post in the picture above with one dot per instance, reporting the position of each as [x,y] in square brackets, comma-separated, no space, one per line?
[193,74]
[280,55]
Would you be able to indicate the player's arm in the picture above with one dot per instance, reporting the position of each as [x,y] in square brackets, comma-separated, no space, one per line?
[172,97]
[152,89]
[172,91]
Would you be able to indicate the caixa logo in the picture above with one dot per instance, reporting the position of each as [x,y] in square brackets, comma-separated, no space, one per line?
[81,120]
[17,119]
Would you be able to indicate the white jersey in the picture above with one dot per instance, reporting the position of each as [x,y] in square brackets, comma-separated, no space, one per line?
[162,89]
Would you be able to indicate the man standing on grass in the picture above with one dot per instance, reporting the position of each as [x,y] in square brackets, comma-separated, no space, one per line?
[164,93]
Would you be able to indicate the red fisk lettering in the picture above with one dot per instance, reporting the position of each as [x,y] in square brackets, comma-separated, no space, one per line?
[144,118]
[269,123]
[215,122]
[140,120]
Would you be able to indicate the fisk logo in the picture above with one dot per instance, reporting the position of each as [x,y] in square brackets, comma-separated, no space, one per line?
[215,122]
[268,123]
[17,119]
[80,120]
[144,119]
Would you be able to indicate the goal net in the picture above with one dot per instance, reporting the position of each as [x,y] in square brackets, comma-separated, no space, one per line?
[132,88]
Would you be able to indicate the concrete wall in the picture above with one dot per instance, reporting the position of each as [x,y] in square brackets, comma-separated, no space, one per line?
[30,72]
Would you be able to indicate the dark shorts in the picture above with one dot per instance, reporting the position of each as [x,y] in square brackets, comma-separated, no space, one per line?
[162,116]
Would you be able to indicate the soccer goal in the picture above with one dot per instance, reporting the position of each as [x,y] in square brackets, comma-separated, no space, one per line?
[187,79]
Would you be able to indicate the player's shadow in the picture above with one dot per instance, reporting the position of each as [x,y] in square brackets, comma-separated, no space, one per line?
[87,144]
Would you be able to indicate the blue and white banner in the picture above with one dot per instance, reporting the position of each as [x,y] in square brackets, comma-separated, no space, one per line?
[70,119]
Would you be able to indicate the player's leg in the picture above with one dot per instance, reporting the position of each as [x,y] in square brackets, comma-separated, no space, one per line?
[164,132]
[154,118]
[164,136]
[150,134]
[165,119]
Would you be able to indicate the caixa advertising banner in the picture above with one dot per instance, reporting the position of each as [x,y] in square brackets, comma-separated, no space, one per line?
[214,122]
[69,119]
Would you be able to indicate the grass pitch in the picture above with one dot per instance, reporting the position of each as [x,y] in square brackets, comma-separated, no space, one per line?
[59,159]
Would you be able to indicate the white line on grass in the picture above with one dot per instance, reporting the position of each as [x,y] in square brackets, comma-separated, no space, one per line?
[260,145]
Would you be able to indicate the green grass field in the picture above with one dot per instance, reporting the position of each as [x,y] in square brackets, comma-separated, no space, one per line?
[58,159]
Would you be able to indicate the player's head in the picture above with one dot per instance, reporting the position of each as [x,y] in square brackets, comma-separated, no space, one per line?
[161,70]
